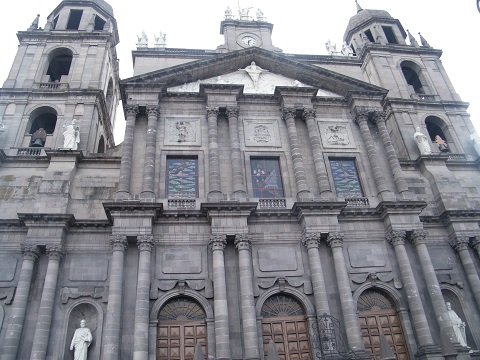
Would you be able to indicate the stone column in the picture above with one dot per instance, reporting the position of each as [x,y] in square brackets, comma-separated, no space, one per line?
[222,336]
[45,312]
[434,291]
[16,319]
[111,333]
[142,304]
[361,117]
[311,242]
[401,184]
[318,161]
[424,337]
[247,302]
[214,191]
[123,190]
[298,166]
[460,245]
[238,179]
[475,243]
[150,147]
[354,335]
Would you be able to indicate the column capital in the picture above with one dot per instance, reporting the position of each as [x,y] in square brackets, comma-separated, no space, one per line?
[145,242]
[118,242]
[396,237]
[212,110]
[131,110]
[335,239]
[55,252]
[379,116]
[153,110]
[232,111]
[30,252]
[459,243]
[418,237]
[311,240]
[243,241]
[309,114]
[475,242]
[217,242]
[361,114]
[289,113]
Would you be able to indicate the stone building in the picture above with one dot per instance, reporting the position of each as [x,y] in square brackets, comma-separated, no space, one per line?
[262,205]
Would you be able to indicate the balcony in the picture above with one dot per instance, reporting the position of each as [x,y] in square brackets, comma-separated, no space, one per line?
[29,151]
[272,203]
[357,202]
[52,86]
[182,204]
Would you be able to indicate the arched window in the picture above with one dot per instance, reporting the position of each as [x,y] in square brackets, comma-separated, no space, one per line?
[42,123]
[59,64]
[412,74]
[101,145]
[438,132]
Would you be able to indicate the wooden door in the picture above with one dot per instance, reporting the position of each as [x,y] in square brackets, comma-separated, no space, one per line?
[177,340]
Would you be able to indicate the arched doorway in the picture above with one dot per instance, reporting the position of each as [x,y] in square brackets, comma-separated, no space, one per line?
[181,325]
[377,316]
[284,321]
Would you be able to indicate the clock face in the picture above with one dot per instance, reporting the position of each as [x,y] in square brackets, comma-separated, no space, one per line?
[249,40]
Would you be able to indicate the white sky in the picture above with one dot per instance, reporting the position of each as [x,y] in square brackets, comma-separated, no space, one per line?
[302,26]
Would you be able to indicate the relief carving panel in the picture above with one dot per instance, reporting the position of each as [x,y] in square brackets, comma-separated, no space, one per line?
[261,133]
[182,131]
[336,135]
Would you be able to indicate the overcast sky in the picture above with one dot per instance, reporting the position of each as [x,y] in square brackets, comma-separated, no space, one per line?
[300,26]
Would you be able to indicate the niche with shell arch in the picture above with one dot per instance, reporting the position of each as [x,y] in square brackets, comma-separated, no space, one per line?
[93,315]
[452,298]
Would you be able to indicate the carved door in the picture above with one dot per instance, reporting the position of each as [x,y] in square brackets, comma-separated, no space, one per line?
[181,327]
[377,316]
[284,322]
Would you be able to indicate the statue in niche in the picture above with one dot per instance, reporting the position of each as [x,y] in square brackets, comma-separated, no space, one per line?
[39,138]
[82,338]
[457,324]
[71,135]
[422,142]
[261,134]
[182,131]
[337,135]
[442,145]
[475,142]
[254,73]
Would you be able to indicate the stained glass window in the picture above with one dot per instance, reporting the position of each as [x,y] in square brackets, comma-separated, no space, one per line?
[182,178]
[345,177]
[266,178]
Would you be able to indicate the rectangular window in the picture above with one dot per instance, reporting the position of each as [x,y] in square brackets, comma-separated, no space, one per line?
[182,178]
[389,34]
[55,22]
[99,23]
[369,35]
[345,178]
[74,19]
[266,178]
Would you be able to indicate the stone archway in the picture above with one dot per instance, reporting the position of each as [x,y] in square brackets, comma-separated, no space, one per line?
[377,316]
[181,325]
[284,321]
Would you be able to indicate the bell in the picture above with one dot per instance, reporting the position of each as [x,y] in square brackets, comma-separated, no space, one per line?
[38,143]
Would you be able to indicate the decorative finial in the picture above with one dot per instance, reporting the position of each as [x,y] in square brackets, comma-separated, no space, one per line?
[359,8]
[423,41]
[412,39]
[34,25]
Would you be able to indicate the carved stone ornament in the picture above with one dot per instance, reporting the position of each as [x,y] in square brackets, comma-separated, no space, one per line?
[311,240]
[396,237]
[261,134]
[460,243]
[30,252]
[85,291]
[55,252]
[145,242]
[212,111]
[379,116]
[119,242]
[232,111]
[217,242]
[418,237]
[243,242]
[131,110]
[361,114]
[289,113]
[153,111]
[309,114]
[335,239]
[337,135]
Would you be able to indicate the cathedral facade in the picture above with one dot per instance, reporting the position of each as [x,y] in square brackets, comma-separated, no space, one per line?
[263,205]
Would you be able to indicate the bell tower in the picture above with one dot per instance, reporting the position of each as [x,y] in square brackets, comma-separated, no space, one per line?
[64,74]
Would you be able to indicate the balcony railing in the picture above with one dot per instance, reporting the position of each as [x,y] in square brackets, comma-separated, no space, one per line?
[29,151]
[357,202]
[52,86]
[182,204]
[272,203]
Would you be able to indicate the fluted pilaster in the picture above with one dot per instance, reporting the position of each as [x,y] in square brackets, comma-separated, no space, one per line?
[150,150]
[123,190]
[238,178]
[215,192]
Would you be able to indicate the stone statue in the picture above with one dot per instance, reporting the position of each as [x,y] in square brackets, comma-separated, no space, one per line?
[244,14]
[71,135]
[331,48]
[228,13]
[254,72]
[160,40]
[476,142]
[346,50]
[442,145]
[422,142]
[457,324]
[81,341]
[260,16]
[142,40]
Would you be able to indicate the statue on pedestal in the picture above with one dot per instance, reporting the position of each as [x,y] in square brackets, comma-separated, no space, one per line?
[71,135]
[81,341]
[457,324]
[422,142]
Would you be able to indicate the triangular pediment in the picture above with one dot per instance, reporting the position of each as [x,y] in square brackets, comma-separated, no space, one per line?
[273,70]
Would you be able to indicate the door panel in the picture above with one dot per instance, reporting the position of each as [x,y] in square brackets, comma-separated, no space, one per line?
[177,340]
